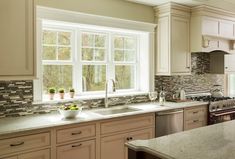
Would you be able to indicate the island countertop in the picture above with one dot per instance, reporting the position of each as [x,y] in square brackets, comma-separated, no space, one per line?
[211,142]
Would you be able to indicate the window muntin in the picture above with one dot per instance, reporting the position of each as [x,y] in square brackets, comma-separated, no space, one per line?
[84,60]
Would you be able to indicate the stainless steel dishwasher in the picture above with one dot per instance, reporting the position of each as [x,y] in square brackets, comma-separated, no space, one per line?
[169,122]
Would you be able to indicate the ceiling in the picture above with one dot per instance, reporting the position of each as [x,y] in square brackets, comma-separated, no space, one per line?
[186,2]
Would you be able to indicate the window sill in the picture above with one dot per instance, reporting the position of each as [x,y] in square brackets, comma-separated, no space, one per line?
[46,99]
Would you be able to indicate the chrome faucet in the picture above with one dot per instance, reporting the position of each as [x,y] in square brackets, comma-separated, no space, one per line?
[106,102]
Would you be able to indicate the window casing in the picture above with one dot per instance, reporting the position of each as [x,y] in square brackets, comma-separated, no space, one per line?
[114,56]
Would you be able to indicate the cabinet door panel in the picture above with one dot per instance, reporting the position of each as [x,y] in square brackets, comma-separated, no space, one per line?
[80,150]
[226,29]
[210,26]
[163,47]
[112,147]
[43,154]
[180,45]
[229,63]
[17,38]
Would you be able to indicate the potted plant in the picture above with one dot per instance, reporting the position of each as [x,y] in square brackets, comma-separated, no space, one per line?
[61,92]
[71,92]
[51,93]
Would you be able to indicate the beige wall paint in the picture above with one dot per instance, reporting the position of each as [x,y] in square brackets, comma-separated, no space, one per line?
[112,8]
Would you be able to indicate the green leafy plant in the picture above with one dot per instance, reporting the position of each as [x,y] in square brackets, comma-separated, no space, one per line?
[71,90]
[51,90]
[61,90]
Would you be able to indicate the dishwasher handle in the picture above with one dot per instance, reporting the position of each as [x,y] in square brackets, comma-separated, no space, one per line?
[169,113]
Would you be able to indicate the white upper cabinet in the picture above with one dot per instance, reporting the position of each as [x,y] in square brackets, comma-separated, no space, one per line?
[212,29]
[173,52]
[229,62]
[17,39]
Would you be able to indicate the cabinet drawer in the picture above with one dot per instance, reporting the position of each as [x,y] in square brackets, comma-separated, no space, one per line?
[191,124]
[24,143]
[195,113]
[75,133]
[127,124]
[81,150]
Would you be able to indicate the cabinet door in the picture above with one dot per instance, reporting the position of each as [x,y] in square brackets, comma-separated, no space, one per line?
[163,46]
[210,26]
[180,53]
[114,146]
[226,29]
[80,150]
[229,63]
[43,154]
[17,38]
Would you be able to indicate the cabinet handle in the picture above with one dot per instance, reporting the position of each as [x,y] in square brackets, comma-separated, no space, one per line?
[195,112]
[127,138]
[226,67]
[77,145]
[188,67]
[77,133]
[195,121]
[17,144]
[131,138]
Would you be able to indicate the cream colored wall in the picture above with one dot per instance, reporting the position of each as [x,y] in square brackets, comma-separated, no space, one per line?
[113,8]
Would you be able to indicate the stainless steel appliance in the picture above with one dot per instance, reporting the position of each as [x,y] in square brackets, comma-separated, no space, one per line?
[220,109]
[169,122]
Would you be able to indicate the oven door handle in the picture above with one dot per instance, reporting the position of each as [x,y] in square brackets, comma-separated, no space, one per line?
[221,114]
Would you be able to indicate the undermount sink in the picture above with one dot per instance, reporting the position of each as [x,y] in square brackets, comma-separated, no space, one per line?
[116,111]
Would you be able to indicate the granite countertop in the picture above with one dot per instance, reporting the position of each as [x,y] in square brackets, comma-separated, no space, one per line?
[38,121]
[211,142]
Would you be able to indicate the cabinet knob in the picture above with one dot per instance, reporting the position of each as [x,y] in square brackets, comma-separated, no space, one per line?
[226,67]
[188,67]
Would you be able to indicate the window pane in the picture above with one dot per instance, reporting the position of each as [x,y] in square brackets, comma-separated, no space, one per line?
[99,55]
[130,56]
[118,42]
[94,77]
[100,40]
[64,53]
[129,43]
[49,53]
[125,76]
[118,55]
[49,37]
[87,39]
[87,54]
[64,38]
[58,76]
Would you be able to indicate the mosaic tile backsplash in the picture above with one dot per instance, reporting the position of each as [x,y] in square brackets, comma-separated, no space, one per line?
[199,81]
[16,99]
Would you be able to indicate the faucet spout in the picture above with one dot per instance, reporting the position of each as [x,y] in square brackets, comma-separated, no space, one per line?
[106,102]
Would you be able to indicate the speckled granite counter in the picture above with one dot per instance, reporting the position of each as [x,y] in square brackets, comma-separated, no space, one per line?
[32,122]
[211,142]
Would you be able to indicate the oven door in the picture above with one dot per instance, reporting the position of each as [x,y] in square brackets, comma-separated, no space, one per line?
[221,116]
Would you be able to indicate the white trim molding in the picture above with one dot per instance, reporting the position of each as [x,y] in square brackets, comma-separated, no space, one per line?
[82,18]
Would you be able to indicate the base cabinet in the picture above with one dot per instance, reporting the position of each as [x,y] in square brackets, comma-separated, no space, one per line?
[79,150]
[114,146]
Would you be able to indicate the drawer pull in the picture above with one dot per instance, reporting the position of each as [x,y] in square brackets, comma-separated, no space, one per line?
[195,112]
[77,133]
[18,144]
[129,138]
[196,121]
[77,145]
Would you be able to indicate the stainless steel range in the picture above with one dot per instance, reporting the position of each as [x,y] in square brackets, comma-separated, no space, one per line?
[220,109]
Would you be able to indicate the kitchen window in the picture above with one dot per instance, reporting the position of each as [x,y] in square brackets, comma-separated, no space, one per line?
[85,58]
[231,85]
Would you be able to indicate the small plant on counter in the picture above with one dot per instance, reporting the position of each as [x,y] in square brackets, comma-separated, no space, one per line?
[71,92]
[51,93]
[61,92]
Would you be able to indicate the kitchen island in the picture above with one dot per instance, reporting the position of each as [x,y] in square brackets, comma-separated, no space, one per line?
[211,142]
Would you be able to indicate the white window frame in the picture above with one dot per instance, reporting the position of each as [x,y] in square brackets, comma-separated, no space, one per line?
[146,41]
